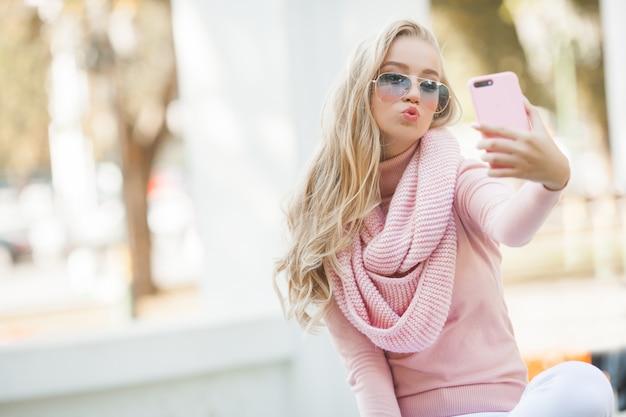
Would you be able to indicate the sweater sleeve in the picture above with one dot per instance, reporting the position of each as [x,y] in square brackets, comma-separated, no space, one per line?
[369,375]
[511,217]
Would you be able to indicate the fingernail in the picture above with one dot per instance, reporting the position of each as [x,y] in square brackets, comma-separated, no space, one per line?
[475,125]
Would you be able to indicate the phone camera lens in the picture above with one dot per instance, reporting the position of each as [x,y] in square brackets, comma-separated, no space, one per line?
[483,83]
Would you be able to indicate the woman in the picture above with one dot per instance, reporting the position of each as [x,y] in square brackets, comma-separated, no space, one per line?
[394,244]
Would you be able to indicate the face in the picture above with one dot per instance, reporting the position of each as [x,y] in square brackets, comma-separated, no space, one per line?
[404,121]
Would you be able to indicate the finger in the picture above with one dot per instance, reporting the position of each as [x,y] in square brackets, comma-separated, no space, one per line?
[500,171]
[534,115]
[505,145]
[497,131]
[499,159]
[501,165]
[497,168]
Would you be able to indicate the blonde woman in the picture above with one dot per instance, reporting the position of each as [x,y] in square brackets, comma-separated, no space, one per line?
[394,244]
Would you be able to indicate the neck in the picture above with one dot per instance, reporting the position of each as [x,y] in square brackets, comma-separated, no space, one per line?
[391,171]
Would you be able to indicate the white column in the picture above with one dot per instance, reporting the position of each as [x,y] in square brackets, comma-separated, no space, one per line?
[613,13]
[71,156]
[233,78]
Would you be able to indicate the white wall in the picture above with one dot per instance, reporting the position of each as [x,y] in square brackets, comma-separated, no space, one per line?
[253,368]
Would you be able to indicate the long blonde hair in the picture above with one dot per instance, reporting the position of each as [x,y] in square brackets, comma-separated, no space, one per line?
[341,185]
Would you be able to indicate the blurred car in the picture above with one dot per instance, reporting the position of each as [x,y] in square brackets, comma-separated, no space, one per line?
[14,246]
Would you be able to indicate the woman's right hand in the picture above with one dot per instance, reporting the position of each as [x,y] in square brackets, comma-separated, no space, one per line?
[530,155]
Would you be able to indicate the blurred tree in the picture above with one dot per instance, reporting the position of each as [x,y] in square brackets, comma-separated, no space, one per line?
[127,50]
[24,60]
[479,37]
[563,44]
[554,47]
[130,57]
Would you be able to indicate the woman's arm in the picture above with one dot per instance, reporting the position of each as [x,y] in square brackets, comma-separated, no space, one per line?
[507,216]
[369,375]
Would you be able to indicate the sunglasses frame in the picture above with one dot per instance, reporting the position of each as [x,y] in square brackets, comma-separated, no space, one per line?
[440,108]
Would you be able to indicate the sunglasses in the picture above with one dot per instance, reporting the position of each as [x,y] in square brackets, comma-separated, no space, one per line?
[391,87]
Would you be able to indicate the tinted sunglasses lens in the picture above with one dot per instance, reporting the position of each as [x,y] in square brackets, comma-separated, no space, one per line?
[392,87]
[430,92]
[434,94]
[444,98]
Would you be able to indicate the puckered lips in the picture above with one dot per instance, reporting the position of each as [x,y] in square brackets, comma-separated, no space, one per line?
[411,114]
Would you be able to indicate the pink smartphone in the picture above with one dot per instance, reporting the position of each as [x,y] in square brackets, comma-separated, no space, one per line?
[498,100]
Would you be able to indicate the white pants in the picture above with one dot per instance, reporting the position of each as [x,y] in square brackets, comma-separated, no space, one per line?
[570,389]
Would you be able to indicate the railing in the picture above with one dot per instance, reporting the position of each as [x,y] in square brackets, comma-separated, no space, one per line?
[583,237]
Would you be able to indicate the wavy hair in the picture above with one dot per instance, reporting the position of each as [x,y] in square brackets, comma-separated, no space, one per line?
[341,185]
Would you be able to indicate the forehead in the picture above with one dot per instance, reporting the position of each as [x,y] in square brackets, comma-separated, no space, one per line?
[413,54]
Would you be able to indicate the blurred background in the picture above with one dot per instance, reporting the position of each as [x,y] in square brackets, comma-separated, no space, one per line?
[147,146]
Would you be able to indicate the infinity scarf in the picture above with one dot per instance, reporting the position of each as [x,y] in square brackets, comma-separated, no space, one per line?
[397,276]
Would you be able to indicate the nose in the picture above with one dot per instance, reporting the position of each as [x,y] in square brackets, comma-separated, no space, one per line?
[413,95]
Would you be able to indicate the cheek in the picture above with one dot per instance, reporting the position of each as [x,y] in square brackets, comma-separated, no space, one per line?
[375,108]
[380,112]
[428,116]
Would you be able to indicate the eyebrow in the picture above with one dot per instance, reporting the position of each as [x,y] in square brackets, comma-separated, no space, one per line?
[405,67]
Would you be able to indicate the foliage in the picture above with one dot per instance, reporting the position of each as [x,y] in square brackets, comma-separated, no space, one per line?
[24,59]
[485,36]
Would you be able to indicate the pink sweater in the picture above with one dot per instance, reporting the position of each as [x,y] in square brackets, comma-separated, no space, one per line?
[474,365]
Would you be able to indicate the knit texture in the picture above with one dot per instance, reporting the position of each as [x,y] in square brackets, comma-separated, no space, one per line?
[396,279]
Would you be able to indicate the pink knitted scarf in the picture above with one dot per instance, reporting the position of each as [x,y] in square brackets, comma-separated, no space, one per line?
[397,276]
